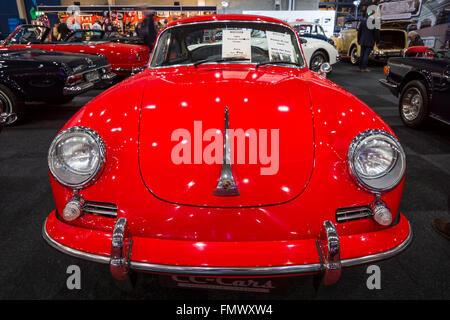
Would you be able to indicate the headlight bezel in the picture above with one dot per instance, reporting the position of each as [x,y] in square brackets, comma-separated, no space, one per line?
[400,161]
[100,165]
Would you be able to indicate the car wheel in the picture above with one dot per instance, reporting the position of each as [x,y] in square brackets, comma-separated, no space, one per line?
[413,104]
[317,60]
[354,55]
[10,102]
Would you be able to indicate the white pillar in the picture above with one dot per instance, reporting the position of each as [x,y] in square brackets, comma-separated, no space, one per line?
[21,9]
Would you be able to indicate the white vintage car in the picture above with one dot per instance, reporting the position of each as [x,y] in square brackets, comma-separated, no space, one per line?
[317,52]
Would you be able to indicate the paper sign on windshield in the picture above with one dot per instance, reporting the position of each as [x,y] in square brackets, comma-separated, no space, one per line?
[280,46]
[236,44]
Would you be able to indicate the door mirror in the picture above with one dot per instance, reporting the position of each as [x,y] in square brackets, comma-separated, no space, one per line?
[324,69]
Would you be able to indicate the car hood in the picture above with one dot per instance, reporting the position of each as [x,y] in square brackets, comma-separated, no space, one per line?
[181,144]
[76,61]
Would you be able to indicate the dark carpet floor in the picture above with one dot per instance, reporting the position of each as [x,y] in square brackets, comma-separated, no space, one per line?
[30,269]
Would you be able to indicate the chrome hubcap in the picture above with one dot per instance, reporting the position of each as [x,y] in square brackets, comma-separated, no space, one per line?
[354,55]
[316,63]
[412,104]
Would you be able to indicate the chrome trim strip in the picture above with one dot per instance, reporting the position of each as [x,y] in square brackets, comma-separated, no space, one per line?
[224,21]
[226,186]
[228,271]
[72,252]
[387,83]
[77,88]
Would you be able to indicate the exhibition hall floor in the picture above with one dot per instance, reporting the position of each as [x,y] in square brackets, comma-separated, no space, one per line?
[31,269]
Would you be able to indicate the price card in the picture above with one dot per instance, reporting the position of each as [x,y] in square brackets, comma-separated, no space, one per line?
[280,46]
[236,44]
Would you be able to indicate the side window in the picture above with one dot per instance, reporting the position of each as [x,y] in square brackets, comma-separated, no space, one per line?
[161,51]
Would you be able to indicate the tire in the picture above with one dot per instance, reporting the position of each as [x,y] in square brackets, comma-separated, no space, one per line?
[317,59]
[10,102]
[413,104]
[354,59]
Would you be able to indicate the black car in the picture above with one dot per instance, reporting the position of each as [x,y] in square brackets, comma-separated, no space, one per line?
[55,77]
[423,86]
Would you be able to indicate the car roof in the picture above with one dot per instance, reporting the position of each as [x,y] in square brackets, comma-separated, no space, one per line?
[222,17]
[296,23]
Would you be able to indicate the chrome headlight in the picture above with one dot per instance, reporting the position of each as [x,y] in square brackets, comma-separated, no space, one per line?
[377,160]
[76,156]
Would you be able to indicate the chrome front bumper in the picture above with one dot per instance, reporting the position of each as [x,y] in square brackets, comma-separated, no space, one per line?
[328,248]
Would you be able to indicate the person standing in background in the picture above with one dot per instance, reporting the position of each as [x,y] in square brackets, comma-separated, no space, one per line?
[62,29]
[149,29]
[96,25]
[366,39]
[414,39]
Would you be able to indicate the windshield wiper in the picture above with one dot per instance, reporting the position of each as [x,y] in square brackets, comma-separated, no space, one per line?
[278,62]
[219,60]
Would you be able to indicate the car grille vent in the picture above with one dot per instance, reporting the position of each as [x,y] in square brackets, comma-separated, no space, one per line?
[100,208]
[353,213]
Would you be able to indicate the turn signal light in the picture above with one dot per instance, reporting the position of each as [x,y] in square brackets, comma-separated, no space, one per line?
[381,213]
[386,70]
[73,208]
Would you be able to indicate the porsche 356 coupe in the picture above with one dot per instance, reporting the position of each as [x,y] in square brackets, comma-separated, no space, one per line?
[227,157]
[55,77]
[125,59]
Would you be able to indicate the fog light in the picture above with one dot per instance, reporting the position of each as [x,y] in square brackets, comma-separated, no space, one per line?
[381,213]
[73,208]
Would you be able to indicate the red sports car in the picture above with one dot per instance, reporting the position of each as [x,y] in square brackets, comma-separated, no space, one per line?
[227,157]
[125,59]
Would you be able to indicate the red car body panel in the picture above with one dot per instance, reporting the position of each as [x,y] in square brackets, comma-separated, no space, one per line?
[268,224]
[121,56]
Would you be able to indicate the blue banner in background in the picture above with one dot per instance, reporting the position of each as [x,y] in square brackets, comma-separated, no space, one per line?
[12,24]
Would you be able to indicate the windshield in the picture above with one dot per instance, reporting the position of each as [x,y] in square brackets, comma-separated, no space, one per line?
[221,41]
[85,35]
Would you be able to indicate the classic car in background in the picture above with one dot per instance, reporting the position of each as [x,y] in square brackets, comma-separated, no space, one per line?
[393,40]
[147,180]
[318,52]
[310,30]
[421,80]
[39,75]
[125,59]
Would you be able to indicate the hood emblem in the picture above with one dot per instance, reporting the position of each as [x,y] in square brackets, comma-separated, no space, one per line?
[226,186]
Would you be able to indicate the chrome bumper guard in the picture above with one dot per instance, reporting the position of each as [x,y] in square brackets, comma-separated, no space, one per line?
[7,118]
[108,76]
[120,250]
[327,245]
[329,253]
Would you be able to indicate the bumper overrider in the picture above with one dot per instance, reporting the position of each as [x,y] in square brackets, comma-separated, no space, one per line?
[327,254]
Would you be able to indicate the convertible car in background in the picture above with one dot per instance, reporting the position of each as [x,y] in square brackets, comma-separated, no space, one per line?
[421,80]
[125,59]
[55,77]
[101,36]
[232,176]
